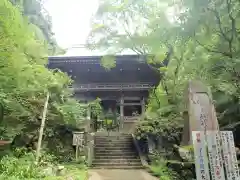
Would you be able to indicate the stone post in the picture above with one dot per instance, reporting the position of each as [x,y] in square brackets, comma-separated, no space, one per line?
[89,149]
[199,113]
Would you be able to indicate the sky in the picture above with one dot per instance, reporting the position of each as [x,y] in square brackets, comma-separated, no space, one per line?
[71,22]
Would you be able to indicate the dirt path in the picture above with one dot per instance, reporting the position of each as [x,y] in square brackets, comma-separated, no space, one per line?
[107,174]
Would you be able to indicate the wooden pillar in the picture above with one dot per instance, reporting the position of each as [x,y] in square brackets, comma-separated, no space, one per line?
[121,112]
[89,129]
[143,106]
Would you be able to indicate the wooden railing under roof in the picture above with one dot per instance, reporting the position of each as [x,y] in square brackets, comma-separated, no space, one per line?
[112,86]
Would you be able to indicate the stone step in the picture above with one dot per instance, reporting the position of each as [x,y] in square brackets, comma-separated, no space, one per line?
[114,145]
[114,137]
[113,151]
[117,161]
[130,153]
[113,142]
[117,167]
[112,134]
[107,148]
[102,164]
[117,157]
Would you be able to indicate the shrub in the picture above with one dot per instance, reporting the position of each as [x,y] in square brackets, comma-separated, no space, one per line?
[19,168]
[161,170]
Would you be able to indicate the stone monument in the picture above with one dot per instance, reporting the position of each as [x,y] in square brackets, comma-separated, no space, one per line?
[214,151]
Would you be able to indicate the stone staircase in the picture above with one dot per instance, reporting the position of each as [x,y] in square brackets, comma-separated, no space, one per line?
[115,152]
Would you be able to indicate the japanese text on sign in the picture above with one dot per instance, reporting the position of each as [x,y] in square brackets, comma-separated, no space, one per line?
[215,157]
[200,152]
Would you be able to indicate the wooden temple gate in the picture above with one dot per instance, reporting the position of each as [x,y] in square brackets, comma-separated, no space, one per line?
[127,85]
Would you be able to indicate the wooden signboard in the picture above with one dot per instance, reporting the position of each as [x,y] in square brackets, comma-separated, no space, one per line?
[78,138]
[200,153]
[229,155]
[215,155]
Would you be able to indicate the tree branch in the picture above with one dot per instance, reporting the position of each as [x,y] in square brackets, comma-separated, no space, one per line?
[219,23]
[214,51]
[233,24]
[158,101]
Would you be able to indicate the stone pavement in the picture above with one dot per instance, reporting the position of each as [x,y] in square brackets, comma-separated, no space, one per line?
[114,174]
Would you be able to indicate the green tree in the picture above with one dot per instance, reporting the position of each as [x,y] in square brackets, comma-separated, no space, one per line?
[25,79]
[199,39]
[40,22]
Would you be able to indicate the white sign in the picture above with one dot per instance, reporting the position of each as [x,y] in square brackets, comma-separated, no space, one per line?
[78,138]
[229,155]
[215,155]
[200,153]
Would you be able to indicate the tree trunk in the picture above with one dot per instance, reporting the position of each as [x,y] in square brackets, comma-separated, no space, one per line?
[42,128]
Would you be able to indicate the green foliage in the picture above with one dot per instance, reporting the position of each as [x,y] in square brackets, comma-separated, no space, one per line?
[25,80]
[108,62]
[19,168]
[161,170]
[96,107]
[202,41]
[21,165]
[40,22]
[165,122]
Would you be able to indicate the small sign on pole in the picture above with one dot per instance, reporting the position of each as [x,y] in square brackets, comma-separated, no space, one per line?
[78,140]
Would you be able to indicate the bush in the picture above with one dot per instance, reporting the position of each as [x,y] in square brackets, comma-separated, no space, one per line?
[19,168]
[161,170]
[20,164]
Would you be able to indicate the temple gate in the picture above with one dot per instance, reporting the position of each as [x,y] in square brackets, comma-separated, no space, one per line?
[124,89]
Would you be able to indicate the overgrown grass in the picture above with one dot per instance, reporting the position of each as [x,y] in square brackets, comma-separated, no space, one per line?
[20,165]
[160,169]
[73,170]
